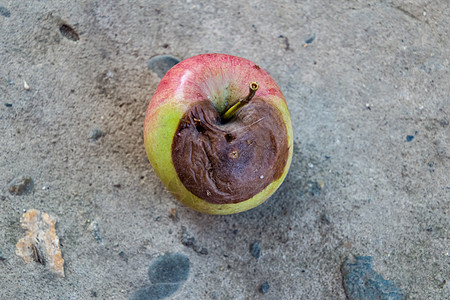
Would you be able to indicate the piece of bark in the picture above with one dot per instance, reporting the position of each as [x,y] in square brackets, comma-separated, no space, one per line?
[41,244]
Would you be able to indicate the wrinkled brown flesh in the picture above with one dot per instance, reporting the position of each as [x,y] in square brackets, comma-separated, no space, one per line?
[232,162]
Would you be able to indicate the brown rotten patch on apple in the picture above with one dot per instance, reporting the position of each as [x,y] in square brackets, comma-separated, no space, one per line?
[230,158]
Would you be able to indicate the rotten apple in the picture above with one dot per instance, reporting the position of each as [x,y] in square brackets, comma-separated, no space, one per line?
[218,133]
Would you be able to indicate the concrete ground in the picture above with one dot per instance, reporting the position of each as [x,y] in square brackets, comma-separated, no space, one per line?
[367,84]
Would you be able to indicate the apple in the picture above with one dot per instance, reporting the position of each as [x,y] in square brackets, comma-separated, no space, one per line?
[218,133]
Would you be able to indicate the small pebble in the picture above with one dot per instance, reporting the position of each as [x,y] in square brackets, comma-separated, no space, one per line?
[255,250]
[68,32]
[8,104]
[160,64]
[1,256]
[21,185]
[264,288]
[409,138]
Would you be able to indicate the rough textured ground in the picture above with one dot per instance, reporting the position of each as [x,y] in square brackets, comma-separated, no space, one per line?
[369,98]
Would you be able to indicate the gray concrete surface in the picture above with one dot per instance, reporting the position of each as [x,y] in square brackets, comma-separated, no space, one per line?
[375,73]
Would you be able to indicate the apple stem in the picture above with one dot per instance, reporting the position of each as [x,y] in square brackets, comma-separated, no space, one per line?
[253,87]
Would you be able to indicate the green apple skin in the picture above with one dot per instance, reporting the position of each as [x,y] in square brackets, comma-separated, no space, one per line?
[220,78]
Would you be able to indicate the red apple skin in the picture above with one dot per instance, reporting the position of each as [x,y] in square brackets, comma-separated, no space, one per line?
[223,79]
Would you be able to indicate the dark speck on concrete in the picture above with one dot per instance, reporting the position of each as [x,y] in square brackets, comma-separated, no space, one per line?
[8,104]
[96,231]
[202,251]
[169,268]
[189,241]
[315,187]
[186,238]
[324,219]
[123,256]
[362,282]
[286,42]
[1,256]
[96,134]
[255,250]
[21,185]
[409,138]
[160,64]
[97,236]
[5,12]
[311,39]
[264,288]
